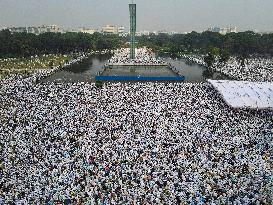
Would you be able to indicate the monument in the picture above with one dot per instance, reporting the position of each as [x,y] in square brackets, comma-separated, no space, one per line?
[137,64]
[132,8]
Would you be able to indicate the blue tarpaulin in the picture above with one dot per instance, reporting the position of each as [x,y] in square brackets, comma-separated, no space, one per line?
[139,78]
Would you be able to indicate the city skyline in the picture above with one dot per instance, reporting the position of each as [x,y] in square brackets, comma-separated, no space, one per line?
[154,15]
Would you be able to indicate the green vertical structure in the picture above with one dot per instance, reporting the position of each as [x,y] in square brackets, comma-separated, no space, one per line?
[132,8]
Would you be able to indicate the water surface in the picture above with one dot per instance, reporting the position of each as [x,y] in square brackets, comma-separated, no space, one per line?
[88,69]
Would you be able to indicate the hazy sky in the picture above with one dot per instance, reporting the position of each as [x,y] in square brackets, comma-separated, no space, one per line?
[170,15]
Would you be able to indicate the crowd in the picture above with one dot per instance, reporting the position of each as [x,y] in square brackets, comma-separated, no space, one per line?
[45,64]
[137,143]
[143,56]
[253,69]
[199,59]
[38,67]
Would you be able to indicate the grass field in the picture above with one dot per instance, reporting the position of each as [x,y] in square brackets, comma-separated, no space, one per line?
[29,65]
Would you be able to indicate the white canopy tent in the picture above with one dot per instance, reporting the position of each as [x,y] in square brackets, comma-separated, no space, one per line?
[244,94]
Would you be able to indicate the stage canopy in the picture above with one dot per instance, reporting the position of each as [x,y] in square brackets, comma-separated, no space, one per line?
[243,94]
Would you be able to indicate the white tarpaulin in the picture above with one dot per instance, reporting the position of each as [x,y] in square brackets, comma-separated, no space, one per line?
[244,94]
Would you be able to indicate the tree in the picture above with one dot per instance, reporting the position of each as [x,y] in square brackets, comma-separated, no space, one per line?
[209,59]
[99,84]
[243,43]
[214,51]
[224,55]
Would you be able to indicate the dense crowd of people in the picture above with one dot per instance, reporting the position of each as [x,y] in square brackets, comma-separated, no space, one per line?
[141,143]
[149,143]
[252,69]
[143,56]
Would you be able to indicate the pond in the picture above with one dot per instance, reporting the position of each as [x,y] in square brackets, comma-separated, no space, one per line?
[88,69]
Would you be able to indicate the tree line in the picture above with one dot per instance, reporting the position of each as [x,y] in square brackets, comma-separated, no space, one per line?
[25,44]
[240,44]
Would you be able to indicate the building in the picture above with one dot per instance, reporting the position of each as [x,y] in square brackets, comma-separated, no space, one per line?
[88,30]
[18,29]
[3,28]
[223,31]
[71,30]
[51,29]
[109,29]
[173,32]
[121,30]
[143,33]
[54,29]
[124,34]
[163,32]
[36,30]
[215,29]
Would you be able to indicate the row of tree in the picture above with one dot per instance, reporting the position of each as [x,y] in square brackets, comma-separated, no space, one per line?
[25,45]
[241,44]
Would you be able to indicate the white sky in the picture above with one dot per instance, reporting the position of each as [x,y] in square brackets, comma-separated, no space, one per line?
[170,15]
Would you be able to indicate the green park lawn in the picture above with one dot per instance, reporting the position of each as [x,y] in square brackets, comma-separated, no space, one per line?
[29,65]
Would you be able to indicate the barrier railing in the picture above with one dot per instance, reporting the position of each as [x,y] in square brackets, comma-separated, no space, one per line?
[138,78]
